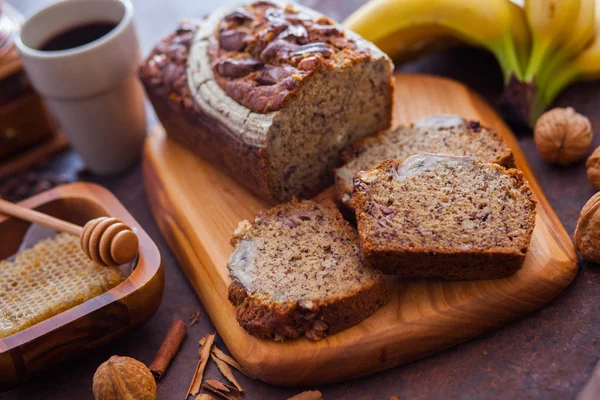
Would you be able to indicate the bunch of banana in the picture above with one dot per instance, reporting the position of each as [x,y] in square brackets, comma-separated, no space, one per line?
[541,48]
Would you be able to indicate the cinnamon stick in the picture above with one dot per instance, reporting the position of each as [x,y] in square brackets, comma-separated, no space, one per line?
[231,361]
[226,371]
[206,345]
[222,390]
[168,348]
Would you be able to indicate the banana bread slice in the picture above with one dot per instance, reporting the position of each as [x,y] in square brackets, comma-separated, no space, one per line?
[297,270]
[441,134]
[444,216]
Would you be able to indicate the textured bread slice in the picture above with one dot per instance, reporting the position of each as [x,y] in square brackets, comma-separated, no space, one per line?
[444,216]
[47,279]
[441,134]
[297,270]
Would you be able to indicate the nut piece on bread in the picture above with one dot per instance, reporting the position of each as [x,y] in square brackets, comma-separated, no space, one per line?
[297,270]
[443,134]
[444,216]
[271,93]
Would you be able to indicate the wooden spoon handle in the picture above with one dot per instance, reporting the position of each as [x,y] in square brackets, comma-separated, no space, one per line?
[27,214]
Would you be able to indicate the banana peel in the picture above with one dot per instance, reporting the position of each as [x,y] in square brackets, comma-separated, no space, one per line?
[541,48]
[404,28]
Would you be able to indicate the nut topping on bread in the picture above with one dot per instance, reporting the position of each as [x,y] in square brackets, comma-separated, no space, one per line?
[298,271]
[283,40]
[444,216]
[164,71]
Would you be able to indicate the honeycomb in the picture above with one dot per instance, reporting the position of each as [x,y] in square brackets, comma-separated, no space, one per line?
[47,279]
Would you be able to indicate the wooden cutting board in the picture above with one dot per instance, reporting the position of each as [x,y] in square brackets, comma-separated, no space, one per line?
[198,207]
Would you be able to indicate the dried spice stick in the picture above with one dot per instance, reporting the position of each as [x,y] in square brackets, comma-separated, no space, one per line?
[206,344]
[204,396]
[226,371]
[168,348]
[222,390]
[229,360]
[308,395]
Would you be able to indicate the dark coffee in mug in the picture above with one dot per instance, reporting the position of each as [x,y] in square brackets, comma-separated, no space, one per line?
[78,36]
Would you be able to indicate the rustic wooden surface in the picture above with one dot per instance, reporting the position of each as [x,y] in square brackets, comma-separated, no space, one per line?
[198,207]
[92,323]
[546,355]
[36,154]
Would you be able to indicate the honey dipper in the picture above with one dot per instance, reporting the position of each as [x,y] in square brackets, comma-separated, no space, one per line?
[107,241]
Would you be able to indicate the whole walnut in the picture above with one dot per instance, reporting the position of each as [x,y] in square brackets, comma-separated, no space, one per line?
[593,168]
[587,232]
[562,136]
[123,378]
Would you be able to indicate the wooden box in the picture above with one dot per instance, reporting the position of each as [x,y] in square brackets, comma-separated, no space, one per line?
[95,322]
[24,120]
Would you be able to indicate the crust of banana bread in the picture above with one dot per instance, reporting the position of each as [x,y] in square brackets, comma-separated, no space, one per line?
[210,139]
[451,234]
[289,321]
[308,298]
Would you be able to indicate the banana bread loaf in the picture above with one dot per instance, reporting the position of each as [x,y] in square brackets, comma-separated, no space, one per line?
[444,216]
[271,93]
[441,134]
[297,270]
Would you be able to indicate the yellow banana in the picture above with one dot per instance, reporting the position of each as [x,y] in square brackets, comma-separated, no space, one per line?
[581,34]
[583,66]
[541,47]
[521,36]
[550,22]
[403,28]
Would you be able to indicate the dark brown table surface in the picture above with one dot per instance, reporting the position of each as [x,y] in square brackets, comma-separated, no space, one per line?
[546,355]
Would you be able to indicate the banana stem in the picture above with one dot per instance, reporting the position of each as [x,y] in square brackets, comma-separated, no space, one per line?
[558,83]
[547,93]
[508,59]
[539,54]
[543,77]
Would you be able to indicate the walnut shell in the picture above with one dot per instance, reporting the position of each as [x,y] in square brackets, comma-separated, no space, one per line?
[593,168]
[562,136]
[587,232]
[123,378]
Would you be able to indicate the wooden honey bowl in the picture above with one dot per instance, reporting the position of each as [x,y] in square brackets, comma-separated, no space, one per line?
[95,322]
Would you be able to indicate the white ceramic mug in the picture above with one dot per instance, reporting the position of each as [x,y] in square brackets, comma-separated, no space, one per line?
[93,90]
